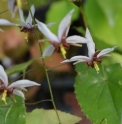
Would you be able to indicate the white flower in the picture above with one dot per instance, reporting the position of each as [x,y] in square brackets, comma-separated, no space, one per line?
[60,42]
[12,6]
[15,87]
[93,57]
[25,26]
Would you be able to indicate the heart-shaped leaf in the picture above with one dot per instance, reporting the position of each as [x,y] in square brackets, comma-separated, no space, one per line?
[100,95]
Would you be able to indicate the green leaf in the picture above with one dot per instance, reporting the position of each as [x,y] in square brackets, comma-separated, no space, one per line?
[41,116]
[12,113]
[20,67]
[100,95]
[104,19]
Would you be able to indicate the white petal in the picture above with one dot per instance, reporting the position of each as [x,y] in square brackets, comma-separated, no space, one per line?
[77,58]
[64,25]
[4,22]
[78,62]
[43,28]
[85,58]
[21,15]
[19,93]
[88,35]
[23,24]
[90,44]
[12,7]
[67,60]
[50,24]
[105,51]
[15,9]
[29,18]
[3,76]
[23,83]
[76,39]
[67,30]
[48,51]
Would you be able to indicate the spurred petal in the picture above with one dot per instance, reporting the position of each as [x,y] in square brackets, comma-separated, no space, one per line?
[4,22]
[48,51]
[76,39]
[21,15]
[19,93]
[29,18]
[3,76]
[90,44]
[22,83]
[43,28]
[64,25]
[105,51]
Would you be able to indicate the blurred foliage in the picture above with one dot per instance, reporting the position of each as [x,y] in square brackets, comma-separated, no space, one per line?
[100,95]
[38,117]
[104,19]
[20,67]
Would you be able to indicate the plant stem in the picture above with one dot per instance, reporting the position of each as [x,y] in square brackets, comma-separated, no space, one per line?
[23,75]
[43,62]
[82,13]
[49,85]
[4,11]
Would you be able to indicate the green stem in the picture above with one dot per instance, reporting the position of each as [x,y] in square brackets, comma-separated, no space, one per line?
[4,11]
[50,89]
[46,100]
[82,13]
[43,62]
[23,75]
[56,66]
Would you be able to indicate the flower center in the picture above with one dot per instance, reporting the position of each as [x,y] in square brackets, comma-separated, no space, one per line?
[4,96]
[63,51]
[96,66]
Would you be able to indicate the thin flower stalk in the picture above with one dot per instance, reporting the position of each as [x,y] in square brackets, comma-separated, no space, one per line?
[43,62]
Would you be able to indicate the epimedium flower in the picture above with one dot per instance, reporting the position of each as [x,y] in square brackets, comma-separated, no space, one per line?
[93,57]
[14,88]
[26,25]
[61,41]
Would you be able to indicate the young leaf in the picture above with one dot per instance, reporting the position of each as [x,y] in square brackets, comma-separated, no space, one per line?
[41,116]
[100,95]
